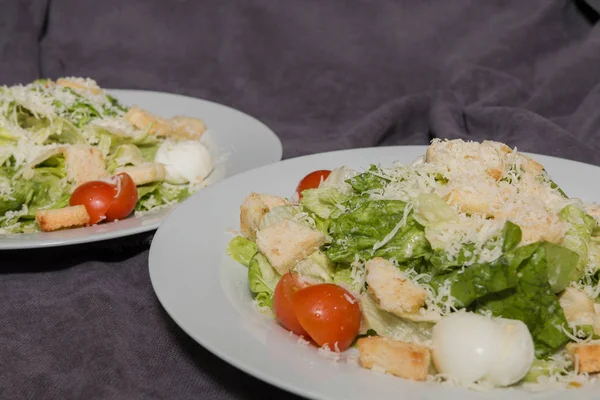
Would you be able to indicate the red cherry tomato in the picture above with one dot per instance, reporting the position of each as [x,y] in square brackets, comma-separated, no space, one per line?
[125,199]
[285,290]
[329,314]
[106,201]
[312,181]
[96,196]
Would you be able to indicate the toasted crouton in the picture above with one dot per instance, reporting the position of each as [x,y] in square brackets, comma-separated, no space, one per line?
[286,243]
[83,85]
[68,217]
[253,209]
[392,288]
[586,355]
[187,127]
[402,359]
[84,163]
[488,156]
[145,173]
[144,120]
[577,306]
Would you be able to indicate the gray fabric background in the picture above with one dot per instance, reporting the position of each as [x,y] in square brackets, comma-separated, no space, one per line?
[83,322]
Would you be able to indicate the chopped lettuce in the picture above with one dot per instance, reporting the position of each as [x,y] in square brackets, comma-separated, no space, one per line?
[377,228]
[123,156]
[262,279]
[534,302]
[369,180]
[338,179]
[316,268]
[579,233]
[343,277]
[389,325]
[242,250]
[540,368]
[160,194]
[322,201]
[433,210]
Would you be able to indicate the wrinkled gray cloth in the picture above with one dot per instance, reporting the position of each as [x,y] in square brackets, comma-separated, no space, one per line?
[83,322]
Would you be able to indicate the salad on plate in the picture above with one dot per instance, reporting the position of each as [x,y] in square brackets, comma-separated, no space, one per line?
[468,266]
[71,155]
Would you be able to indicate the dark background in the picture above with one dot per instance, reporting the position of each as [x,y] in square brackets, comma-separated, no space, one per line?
[83,322]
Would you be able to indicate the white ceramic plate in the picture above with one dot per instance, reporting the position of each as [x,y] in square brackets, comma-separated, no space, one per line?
[236,141]
[207,295]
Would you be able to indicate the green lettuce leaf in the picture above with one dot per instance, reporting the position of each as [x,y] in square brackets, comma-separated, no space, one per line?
[540,368]
[242,250]
[343,277]
[391,326]
[322,201]
[160,194]
[577,237]
[532,301]
[317,267]
[262,279]
[124,155]
[562,266]
[376,228]
[369,180]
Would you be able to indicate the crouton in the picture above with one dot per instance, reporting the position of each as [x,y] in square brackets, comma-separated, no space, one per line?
[530,166]
[286,243]
[82,85]
[144,120]
[392,289]
[145,173]
[84,163]
[253,209]
[402,359]
[577,306]
[187,127]
[68,217]
[488,156]
[586,355]
[472,201]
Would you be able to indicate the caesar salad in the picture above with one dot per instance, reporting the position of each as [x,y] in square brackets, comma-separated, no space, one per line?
[468,266]
[72,155]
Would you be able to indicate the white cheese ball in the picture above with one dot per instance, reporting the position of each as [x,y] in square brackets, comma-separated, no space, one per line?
[472,347]
[186,161]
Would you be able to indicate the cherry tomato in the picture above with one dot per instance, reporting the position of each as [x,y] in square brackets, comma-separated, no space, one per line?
[312,181]
[96,196]
[125,199]
[285,290]
[329,314]
[106,201]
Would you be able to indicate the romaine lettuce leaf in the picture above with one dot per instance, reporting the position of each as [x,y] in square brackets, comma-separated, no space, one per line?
[532,301]
[262,279]
[389,325]
[343,277]
[377,228]
[562,266]
[160,194]
[316,268]
[322,201]
[124,155]
[368,180]
[579,233]
[242,250]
